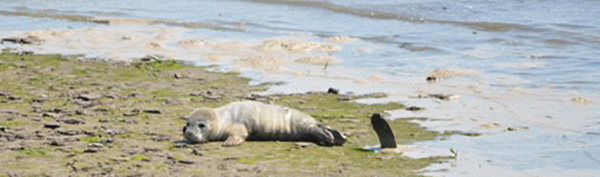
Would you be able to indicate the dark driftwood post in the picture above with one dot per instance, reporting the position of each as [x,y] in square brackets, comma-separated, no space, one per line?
[384,132]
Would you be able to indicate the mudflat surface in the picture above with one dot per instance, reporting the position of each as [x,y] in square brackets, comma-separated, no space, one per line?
[68,116]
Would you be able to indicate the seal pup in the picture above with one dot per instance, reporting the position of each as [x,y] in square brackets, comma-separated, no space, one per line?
[237,122]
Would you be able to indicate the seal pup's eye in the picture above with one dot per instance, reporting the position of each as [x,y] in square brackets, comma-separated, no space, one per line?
[201,125]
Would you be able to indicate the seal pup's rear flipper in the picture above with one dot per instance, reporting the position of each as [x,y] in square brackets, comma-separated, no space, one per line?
[338,138]
[384,132]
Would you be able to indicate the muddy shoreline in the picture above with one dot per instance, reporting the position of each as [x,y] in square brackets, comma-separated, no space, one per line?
[72,116]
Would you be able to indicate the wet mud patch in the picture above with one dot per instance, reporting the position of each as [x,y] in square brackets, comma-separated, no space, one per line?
[91,117]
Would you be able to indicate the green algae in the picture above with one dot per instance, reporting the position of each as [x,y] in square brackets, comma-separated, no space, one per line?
[151,84]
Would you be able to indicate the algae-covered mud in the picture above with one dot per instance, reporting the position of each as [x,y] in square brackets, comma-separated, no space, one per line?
[517,78]
[70,116]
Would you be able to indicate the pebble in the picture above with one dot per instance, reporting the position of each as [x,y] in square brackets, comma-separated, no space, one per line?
[257,97]
[52,115]
[187,162]
[80,112]
[177,76]
[581,100]
[196,152]
[68,132]
[433,79]
[415,108]
[110,96]
[106,141]
[208,94]
[90,150]
[52,125]
[377,95]
[153,111]
[333,91]
[73,121]
[161,138]
[147,149]
[517,128]
[180,145]
[89,97]
[95,145]
[304,145]
[349,120]
[444,96]
[56,143]
[25,40]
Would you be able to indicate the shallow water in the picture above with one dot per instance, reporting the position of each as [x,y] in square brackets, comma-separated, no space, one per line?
[525,60]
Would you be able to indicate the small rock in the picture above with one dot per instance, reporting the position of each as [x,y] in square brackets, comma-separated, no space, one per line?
[39,100]
[52,115]
[12,98]
[152,111]
[56,143]
[80,112]
[147,149]
[333,91]
[95,145]
[72,121]
[444,96]
[377,95]
[349,120]
[89,97]
[386,158]
[517,128]
[132,113]
[208,94]
[257,97]
[179,145]
[52,125]
[304,145]
[90,150]
[196,152]
[187,162]
[222,167]
[161,138]
[113,132]
[414,108]
[68,132]
[432,79]
[2,129]
[581,100]
[101,110]
[25,40]
[110,96]
[84,104]
[106,141]
[346,97]
[70,139]
[177,76]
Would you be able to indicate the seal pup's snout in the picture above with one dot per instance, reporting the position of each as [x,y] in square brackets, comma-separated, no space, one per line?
[193,137]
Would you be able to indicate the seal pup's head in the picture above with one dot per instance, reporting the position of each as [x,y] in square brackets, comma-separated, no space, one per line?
[199,124]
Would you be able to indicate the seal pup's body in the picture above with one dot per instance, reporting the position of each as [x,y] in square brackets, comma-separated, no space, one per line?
[248,120]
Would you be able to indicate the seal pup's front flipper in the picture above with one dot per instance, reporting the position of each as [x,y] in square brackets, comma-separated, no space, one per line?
[384,132]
